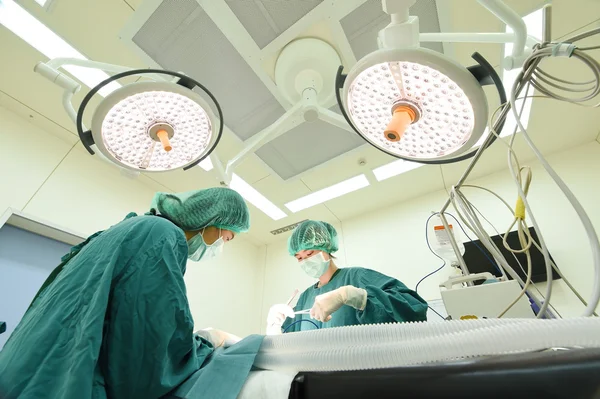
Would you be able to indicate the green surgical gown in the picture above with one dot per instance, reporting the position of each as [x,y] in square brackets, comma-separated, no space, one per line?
[114,322]
[388,301]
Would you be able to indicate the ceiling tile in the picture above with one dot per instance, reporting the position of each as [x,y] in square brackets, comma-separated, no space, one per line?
[307,146]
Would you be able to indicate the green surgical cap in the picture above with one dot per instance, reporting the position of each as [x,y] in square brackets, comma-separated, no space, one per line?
[194,210]
[313,234]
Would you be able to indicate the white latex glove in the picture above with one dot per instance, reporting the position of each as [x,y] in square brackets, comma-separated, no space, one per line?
[328,303]
[218,338]
[276,317]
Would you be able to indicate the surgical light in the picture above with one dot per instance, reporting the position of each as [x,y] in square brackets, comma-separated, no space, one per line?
[413,103]
[153,126]
[150,126]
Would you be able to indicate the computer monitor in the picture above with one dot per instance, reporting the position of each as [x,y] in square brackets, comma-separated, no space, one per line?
[479,260]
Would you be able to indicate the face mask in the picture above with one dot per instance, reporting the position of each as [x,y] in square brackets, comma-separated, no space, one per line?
[199,250]
[214,249]
[315,266]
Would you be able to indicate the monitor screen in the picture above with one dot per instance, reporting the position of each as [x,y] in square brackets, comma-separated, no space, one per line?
[479,260]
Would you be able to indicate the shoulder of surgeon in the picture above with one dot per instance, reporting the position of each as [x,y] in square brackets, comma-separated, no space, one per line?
[152,227]
[361,273]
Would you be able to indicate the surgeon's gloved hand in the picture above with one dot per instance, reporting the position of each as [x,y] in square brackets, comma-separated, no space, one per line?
[218,338]
[276,318]
[326,304]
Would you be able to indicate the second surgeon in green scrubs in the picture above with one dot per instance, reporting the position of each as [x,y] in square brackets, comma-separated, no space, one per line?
[341,297]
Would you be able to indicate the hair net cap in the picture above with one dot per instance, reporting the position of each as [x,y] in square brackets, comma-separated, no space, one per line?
[313,234]
[221,207]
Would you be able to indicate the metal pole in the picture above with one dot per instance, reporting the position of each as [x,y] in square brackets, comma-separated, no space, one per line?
[547,23]
[334,119]
[286,122]
[103,66]
[68,105]
[218,165]
[467,37]
[512,19]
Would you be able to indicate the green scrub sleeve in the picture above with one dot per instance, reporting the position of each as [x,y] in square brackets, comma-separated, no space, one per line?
[389,301]
[149,346]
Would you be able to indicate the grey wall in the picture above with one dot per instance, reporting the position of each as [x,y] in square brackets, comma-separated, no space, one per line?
[26,259]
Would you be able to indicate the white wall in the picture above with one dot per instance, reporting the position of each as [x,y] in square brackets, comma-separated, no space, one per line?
[84,194]
[392,240]
[225,293]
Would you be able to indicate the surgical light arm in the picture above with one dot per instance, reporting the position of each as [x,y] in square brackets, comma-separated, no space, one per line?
[403,31]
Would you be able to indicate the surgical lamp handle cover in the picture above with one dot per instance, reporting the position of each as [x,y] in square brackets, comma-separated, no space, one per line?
[86,137]
[485,74]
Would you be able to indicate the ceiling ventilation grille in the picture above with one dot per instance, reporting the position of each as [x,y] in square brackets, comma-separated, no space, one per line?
[286,228]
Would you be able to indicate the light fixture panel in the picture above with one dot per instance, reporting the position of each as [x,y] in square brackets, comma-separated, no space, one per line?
[43,39]
[328,193]
[395,168]
[252,195]
[122,123]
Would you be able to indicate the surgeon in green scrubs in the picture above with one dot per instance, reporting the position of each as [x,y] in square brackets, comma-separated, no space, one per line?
[341,296]
[113,320]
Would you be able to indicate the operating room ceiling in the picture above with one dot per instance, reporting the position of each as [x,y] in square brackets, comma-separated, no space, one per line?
[97,28]
[184,35]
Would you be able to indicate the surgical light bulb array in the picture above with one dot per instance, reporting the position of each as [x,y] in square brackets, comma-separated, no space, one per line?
[446,115]
[125,130]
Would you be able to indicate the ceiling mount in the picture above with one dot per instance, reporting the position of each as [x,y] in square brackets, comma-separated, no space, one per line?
[307,63]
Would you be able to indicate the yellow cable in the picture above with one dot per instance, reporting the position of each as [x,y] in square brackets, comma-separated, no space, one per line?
[520,209]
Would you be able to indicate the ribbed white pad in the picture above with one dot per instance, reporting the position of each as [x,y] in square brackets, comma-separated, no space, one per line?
[394,345]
